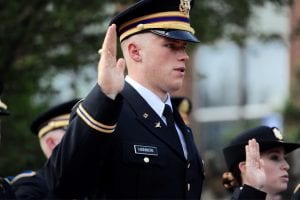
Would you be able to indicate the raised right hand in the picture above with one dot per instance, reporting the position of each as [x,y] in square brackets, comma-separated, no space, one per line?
[110,70]
[255,175]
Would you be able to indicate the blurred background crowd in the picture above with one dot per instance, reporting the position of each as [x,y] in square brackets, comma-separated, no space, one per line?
[245,72]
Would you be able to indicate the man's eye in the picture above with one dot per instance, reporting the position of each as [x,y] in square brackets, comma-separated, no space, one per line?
[175,47]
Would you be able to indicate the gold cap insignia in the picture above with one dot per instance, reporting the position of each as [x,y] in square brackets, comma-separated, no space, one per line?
[185,7]
[277,134]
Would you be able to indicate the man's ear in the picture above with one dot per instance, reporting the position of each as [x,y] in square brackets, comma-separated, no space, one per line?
[50,143]
[134,52]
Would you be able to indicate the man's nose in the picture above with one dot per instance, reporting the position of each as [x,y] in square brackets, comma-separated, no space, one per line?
[183,55]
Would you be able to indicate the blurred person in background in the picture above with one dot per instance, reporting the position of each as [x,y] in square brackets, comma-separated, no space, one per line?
[184,106]
[49,127]
[257,165]
[5,189]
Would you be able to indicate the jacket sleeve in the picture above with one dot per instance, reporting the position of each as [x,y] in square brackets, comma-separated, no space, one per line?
[248,192]
[6,190]
[74,163]
[30,185]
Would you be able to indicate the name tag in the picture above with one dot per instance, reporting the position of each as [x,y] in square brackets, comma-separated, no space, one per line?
[145,150]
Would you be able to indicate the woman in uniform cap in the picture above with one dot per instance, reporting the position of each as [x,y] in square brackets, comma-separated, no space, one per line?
[257,165]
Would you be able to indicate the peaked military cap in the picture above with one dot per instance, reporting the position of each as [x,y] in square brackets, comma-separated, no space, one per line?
[267,137]
[3,107]
[56,117]
[168,18]
[183,104]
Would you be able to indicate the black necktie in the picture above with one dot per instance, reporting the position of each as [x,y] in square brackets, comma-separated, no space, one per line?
[171,126]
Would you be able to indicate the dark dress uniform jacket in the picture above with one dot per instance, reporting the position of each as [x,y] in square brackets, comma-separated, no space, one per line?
[31,187]
[248,192]
[136,160]
[5,190]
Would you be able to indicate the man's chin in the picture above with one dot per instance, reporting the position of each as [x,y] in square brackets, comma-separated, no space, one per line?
[175,88]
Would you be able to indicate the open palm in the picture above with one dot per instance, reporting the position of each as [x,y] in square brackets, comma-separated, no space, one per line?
[110,70]
[255,175]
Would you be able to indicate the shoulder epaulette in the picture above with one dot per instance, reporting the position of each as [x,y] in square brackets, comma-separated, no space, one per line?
[91,122]
[22,175]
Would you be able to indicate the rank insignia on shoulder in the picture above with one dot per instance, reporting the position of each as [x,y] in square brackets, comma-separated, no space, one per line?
[145,150]
[24,174]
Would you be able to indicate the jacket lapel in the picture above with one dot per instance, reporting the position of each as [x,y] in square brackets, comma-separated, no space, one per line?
[147,116]
[186,132]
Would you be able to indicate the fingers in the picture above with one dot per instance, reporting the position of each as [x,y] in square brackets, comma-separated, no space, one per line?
[109,47]
[121,65]
[110,70]
[255,174]
[261,163]
[253,154]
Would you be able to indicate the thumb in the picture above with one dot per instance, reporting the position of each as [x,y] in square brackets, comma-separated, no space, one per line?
[121,65]
[261,163]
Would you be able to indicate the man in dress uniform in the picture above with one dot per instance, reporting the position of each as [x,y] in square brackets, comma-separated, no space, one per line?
[122,141]
[5,189]
[49,127]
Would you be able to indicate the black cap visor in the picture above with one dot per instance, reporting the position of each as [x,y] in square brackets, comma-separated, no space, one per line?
[235,154]
[288,147]
[176,35]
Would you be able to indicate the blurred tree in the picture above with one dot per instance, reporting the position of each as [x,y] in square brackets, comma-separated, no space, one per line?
[40,39]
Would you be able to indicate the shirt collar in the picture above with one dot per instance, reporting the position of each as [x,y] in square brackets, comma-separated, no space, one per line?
[152,99]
